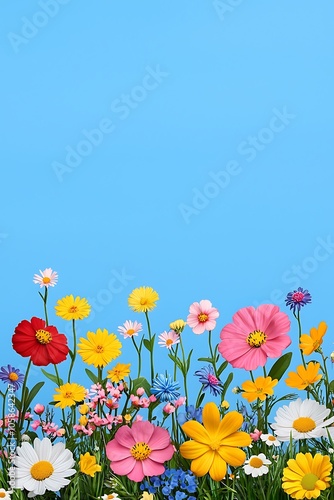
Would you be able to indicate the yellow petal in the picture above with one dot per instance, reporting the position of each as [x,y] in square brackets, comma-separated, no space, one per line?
[192,449]
[249,386]
[211,418]
[196,431]
[233,456]
[201,466]
[239,438]
[230,423]
[218,468]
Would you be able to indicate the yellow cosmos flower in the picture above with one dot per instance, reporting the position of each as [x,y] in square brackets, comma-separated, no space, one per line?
[88,465]
[143,299]
[72,308]
[259,389]
[177,325]
[215,443]
[307,476]
[69,395]
[304,376]
[119,372]
[99,348]
[310,343]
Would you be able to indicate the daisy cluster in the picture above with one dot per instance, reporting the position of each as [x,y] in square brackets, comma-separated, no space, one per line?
[132,432]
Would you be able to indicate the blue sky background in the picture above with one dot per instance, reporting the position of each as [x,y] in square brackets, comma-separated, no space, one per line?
[185,94]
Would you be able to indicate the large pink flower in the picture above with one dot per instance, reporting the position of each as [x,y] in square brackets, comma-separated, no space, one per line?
[139,451]
[202,316]
[254,336]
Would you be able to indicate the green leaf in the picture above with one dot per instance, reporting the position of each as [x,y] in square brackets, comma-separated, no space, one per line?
[280,366]
[189,359]
[201,399]
[51,377]
[221,368]
[207,360]
[92,376]
[140,382]
[331,386]
[227,384]
[33,393]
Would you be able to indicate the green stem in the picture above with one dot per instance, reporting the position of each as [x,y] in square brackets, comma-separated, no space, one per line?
[74,352]
[23,409]
[45,307]
[184,371]
[59,384]
[3,416]
[299,335]
[139,356]
[151,349]
[213,354]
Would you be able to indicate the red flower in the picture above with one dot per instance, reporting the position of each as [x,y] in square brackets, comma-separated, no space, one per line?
[42,343]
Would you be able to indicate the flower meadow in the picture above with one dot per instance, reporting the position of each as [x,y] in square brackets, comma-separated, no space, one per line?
[135,431]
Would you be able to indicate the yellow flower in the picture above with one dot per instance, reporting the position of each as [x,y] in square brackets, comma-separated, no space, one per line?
[69,395]
[72,308]
[88,465]
[304,376]
[259,389]
[307,476]
[143,299]
[83,420]
[119,372]
[310,343]
[225,404]
[147,496]
[127,418]
[177,326]
[100,348]
[83,409]
[215,443]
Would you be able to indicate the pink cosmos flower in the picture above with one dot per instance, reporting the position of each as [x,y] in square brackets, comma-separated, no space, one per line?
[254,336]
[202,316]
[47,278]
[139,451]
[130,329]
[168,339]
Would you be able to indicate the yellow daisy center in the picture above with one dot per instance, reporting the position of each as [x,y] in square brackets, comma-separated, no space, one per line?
[130,332]
[202,318]
[72,309]
[41,470]
[143,301]
[256,338]
[2,494]
[68,395]
[169,342]
[99,348]
[140,451]
[256,462]
[46,280]
[309,481]
[43,336]
[304,424]
[13,376]
[271,438]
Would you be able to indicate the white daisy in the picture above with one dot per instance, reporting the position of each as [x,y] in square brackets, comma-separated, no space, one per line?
[301,420]
[4,495]
[270,440]
[43,467]
[111,496]
[256,465]
[47,278]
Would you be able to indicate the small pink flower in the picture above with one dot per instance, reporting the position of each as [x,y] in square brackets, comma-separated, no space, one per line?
[139,450]
[169,408]
[255,435]
[202,316]
[139,418]
[140,391]
[130,329]
[47,278]
[39,409]
[152,398]
[180,402]
[35,424]
[168,339]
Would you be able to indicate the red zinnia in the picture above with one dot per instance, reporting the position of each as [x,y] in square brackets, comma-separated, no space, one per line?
[41,342]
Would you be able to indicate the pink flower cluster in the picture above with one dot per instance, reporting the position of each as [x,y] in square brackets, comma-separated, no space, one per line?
[141,402]
[170,407]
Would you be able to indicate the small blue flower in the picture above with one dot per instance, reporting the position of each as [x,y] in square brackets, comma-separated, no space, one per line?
[191,413]
[11,375]
[164,388]
[298,299]
[174,484]
[209,380]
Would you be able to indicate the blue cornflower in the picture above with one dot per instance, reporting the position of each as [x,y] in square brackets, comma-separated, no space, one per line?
[11,375]
[191,413]
[298,299]
[164,388]
[209,380]
[174,484]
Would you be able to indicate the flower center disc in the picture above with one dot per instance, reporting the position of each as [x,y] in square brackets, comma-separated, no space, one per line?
[309,481]
[13,377]
[256,338]
[202,318]
[143,301]
[298,296]
[256,462]
[73,309]
[99,348]
[140,451]
[169,342]
[46,280]
[130,332]
[43,336]
[41,470]
[304,424]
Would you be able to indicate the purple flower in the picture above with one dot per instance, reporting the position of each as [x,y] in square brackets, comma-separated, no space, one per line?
[297,299]
[191,413]
[11,375]
[209,380]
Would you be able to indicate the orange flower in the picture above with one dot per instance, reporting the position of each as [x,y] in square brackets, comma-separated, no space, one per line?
[304,376]
[312,342]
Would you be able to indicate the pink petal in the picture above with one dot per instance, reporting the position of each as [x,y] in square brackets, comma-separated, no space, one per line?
[273,348]
[125,437]
[205,305]
[161,456]
[160,439]
[151,468]
[210,324]
[115,451]
[137,473]
[199,328]
[195,308]
[123,467]
[142,431]
[251,360]
[244,320]
[232,332]
[192,320]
